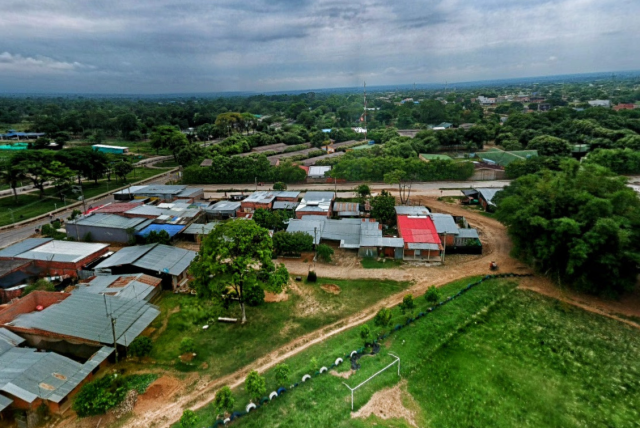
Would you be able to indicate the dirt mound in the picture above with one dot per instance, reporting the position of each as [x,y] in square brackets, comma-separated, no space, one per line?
[160,391]
[185,358]
[387,404]
[274,298]
[344,375]
[331,288]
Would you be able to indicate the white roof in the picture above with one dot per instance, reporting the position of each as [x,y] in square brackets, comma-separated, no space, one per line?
[318,171]
[106,146]
[62,251]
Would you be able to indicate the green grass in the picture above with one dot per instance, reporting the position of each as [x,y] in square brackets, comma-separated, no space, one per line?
[139,147]
[30,205]
[495,356]
[369,263]
[227,347]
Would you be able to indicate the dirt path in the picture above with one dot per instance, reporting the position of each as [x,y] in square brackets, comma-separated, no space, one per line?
[496,247]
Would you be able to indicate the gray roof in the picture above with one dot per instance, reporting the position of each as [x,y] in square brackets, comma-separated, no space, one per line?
[307,225]
[411,210]
[284,205]
[155,257]
[422,246]
[10,337]
[131,290]
[318,196]
[347,231]
[350,232]
[63,251]
[262,197]
[200,229]
[444,223]
[4,402]
[314,160]
[179,211]
[488,194]
[190,192]
[21,247]
[162,189]
[125,256]
[468,233]
[316,202]
[223,206]
[28,374]
[90,320]
[288,194]
[108,220]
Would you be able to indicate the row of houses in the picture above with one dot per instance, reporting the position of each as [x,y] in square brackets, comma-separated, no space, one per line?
[313,203]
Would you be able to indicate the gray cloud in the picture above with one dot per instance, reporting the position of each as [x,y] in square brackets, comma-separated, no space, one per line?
[154,46]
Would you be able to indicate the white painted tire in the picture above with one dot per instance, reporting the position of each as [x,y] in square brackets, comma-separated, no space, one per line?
[338,361]
[273,395]
[305,377]
[250,407]
[353,353]
[323,369]
[226,421]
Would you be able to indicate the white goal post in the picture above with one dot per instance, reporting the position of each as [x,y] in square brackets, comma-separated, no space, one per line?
[397,360]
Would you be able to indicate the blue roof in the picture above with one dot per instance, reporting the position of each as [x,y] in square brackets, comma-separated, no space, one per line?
[171,229]
[327,130]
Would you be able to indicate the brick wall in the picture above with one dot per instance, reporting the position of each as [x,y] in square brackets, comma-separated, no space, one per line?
[29,304]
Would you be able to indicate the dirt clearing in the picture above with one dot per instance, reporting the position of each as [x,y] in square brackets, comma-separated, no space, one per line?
[344,375]
[387,404]
[160,391]
[331,288]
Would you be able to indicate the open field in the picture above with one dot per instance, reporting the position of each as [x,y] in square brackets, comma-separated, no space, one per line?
[30,205]
[497,356]
[224,348]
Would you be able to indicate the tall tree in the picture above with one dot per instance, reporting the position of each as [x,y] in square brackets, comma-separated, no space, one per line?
[11,174]
[34,165]
[383,207]
[168,137]
[234,259]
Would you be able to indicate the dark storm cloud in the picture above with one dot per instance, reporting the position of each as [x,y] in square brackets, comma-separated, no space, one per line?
[169,46]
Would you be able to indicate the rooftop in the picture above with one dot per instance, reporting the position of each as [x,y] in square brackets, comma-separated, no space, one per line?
[137,286]
[488,194]
[316,202]
[62,251]
[120,207]
[418,229]
[200,229]
[444,223]
[21,247]
[285,205]
[318,171]
[108,220]
[154,257]
[223,206]
[411,210]
[171,229]
[262,197]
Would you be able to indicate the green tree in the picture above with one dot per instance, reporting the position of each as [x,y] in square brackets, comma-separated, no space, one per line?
[579,225]
[398,177]
[255,385]
[168,137]
[234,257]
[547,145]
[122,169]
[189,419]
[383,318]
[187,345]
[365,334]
[161,237]
[363,191]
[34,165]
[11,175]
[383,208]
[283,372]
[279,186]
[61,176]
[314,365]
[292,243]
[288,172]
[324,252]
[223,401]
[141,346]
[407,304]
[432,295]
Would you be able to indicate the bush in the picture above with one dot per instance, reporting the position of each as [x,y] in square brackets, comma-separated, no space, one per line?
[383,318]
[187,345]
[432,295]
[141,346]
[325,252]
[365,334]
[97,397]
[314,365]
[279,186]
[312,277]
[288,243]
[189,419]
[255,385]
[224,401]
[407,304]
[39,285]
[282,374]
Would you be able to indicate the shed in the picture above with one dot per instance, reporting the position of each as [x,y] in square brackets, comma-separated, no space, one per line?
[346,209]
[420,237]
[485,196]
[105,227]
[104,148]
[316,203]
[318,171]
[222,209]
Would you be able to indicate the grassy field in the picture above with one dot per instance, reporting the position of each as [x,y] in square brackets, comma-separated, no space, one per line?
[139,147]
[369,263]
[30,205]
[494,357]
[224,348]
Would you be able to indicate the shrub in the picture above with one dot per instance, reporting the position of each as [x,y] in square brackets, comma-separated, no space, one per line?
[383,318]
[407,304]
[187,345]
[189,419]
[141,346]
[325,252]
[313,365]
[365,334]
[282,373]
[279,186]
[432,295]
[224,401]
[255,385]
[97,397]
[39,285]
[312,277]
[292,243]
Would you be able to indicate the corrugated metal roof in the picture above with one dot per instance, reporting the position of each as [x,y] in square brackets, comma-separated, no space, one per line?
[223,206]
[125,286]
[171,229]
[351,207]
[126,256]
[262,197]
[200,229]
[288,194]
[468,233]
[90,320]
[10,337]
[418,230]
[487,194]
[160,189]
[318,171]
[108,220]
[284,205]
[316,202]
[411,210]
[422,246]
[4,402]
[63,251]
[176,211]
[444,223]
[21,247]
[8,266]
[190,192]
[307,225]
[166,259]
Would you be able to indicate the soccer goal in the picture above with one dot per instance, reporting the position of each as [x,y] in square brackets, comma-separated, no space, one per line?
[397,360]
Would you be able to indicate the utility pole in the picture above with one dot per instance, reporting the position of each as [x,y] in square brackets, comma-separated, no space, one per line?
[365,112]
[113,330]
[12,219]
[256,180]
[315,239]
[445,247]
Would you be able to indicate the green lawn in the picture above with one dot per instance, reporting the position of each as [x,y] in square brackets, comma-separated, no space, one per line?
[30,205]
[227,347]
[369,263]
[494,357]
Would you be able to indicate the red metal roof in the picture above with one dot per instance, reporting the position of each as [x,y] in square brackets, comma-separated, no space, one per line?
[116,207]
[418,230]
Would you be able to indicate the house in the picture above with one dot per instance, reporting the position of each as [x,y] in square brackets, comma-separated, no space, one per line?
[487,171]
[165,193]
[44,320]
[328,149]
[318,172]
[195,232]
[169,263]
[15,135]
[14,277]
[411,133]
[55,258]
[29,379]
[443,125]
[421,240]
[137,286]
[346,209]
[285,205]
[446,227]
[600,103]
[486,101]
[316,203]
[467,241]
[175,213]
[171,229]
[116,207]
[416,210]
[624,107]
[106,228]
[222,209]
[265,200]
[485,197]
[103,148]
[544,107]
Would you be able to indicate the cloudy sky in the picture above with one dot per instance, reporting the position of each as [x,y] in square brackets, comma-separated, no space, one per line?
[161,46]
